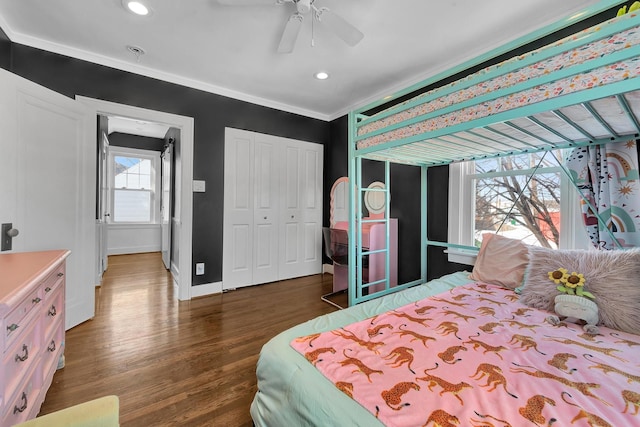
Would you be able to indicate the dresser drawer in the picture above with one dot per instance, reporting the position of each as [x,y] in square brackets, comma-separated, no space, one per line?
[53,282]
[19,358]
[53,349]
[18,318]
[22,405]
[52,311]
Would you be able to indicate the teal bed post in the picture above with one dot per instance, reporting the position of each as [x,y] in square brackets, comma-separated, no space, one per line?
[423,224]
[387,216]
[352,172]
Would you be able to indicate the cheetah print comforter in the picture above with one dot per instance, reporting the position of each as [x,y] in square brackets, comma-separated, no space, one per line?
[475,356]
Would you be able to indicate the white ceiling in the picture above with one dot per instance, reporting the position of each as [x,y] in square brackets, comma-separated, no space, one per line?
[232,50]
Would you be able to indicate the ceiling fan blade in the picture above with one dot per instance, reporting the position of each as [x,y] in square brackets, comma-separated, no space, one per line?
[248,2]
[347,32]
[290,33]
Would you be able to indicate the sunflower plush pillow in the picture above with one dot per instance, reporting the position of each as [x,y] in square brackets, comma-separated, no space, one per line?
[612,278]
[574,304]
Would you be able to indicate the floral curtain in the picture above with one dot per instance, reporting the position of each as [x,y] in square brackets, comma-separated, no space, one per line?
[607,177]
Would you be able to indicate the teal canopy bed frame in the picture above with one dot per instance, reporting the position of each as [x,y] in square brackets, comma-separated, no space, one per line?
[579,91]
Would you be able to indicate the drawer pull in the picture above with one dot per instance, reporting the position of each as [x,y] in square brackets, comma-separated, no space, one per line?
[12,327]
[36,300]
[52,346]
[19,358]
[24,404]
[60,274]
[52,311]
[47,289]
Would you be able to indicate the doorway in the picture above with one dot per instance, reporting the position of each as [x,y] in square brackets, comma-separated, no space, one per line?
[135,186]
[183,173]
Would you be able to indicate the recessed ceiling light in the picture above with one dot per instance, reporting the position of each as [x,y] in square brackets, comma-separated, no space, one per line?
[321,75]
[136,7]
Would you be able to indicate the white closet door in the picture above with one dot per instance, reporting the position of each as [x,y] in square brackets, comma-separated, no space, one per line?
[266,200]
[272,209]
[301,226]
[237,259]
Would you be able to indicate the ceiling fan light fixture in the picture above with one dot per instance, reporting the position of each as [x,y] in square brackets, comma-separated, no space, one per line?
[136,7]
[303,6]
[321,75]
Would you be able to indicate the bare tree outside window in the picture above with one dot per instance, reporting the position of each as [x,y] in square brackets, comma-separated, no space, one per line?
[519,197]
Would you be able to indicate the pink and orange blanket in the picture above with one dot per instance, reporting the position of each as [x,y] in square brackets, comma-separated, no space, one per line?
[475,356]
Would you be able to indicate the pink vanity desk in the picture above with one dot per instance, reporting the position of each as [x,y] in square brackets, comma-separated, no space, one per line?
[373,238]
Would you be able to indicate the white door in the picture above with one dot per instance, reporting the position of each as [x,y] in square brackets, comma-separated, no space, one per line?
[265,209]
[103,208]
[300,239]
[165,205]
[237,238]
[272,209]
[47,181]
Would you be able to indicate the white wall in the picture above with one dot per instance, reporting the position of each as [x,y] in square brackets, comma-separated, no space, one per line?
[133,238]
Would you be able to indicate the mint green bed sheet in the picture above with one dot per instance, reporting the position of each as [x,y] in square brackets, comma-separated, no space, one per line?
[292,393]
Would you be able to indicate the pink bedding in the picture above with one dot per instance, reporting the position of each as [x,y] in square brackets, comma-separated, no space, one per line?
[475,356]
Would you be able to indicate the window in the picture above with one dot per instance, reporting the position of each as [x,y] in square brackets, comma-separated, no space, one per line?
[133,181]
[526,197]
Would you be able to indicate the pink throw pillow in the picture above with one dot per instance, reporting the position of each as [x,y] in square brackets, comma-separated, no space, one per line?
[501,261]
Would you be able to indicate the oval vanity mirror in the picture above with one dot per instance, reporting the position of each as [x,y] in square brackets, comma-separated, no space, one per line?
[374,201]
[339,201]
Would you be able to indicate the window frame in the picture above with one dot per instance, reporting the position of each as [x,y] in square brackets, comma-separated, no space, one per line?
[154,157]
[461,210]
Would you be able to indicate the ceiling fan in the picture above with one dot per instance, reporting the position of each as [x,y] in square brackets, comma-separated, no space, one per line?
[344,30]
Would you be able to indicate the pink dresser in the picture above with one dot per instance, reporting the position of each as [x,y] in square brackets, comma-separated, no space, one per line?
[373,238]
[32,296]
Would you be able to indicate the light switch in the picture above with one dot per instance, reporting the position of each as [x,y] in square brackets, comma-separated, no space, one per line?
[198,186]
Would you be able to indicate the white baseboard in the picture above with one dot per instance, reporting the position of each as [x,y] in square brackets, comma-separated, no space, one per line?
[174,270]
[133,250]
[176,288]
[206,289]
[327,268]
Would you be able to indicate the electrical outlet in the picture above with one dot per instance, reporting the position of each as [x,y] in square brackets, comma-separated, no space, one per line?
[199,268]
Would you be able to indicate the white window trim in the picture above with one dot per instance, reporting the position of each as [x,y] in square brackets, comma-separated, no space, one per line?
[462,208]
[154,156]
[461,200]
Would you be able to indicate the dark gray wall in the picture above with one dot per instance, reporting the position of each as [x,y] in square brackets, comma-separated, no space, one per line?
[136,141]
[211,114]
[405,204]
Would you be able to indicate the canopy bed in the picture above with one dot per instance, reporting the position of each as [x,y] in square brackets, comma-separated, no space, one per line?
[466,349]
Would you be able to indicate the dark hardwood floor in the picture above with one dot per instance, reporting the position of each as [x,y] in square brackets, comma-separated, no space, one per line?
[177,363]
